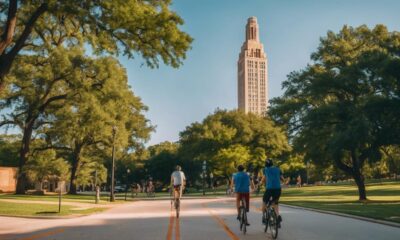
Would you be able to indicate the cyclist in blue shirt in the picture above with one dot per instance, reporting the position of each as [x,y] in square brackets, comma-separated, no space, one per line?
[242,182]
[272,178]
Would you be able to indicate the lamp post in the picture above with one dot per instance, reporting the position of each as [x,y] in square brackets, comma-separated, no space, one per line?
[127,181]
[308,170]
[112,194]
[204,176]
[59,194]
[95,180]
[212,182]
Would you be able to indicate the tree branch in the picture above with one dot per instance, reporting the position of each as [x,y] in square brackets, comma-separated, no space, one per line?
[7,122]
[343,166]
[26,33]
[50,100]
[9,28]
[50,147]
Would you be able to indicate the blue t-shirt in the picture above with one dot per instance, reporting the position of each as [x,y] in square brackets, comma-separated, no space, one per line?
[273,175]
[242,182]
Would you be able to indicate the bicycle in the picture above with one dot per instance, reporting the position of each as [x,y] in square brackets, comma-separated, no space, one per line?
[176,201]
[270,220]
[243,215]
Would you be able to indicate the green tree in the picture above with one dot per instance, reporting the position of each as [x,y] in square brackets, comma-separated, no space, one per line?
[40,85]
[221,137]
[91,173]
[45,165]
[162,161]
[341,108]
[145,27]
[391,156]
[226,160]
[86,120]
[9,146]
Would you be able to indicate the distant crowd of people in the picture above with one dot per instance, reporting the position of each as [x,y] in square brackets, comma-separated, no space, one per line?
[143,187]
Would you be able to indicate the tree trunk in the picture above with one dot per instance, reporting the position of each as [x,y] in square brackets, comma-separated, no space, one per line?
[22,179]
[359,178]
[355,171]
[75,170]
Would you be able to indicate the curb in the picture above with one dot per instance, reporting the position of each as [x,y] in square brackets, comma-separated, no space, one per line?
[383,222]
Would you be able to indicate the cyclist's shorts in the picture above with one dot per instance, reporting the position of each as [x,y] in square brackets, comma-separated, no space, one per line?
[246,197]
[177,187]
[274,193]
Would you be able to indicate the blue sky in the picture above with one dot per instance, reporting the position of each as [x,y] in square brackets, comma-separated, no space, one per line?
[289,29]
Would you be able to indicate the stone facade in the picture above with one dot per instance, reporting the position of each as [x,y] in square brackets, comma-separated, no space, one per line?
[8,179]
[253,72]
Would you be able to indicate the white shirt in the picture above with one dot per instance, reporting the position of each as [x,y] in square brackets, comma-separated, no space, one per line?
[178,177]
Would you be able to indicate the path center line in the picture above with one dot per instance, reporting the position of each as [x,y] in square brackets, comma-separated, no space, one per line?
[221,223]
[177,229]
[170,226]
[44,234]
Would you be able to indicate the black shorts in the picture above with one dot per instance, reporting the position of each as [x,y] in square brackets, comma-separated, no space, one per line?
[274,193]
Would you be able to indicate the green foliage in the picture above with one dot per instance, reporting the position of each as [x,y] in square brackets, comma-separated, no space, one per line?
[86,120]
[9,147]
[147,28]
[74,101]
[227,138]
[45,165]
[391,158]
[162,161]
[293,165]
[226,160]
[53,89]
[343,107]
[91,173]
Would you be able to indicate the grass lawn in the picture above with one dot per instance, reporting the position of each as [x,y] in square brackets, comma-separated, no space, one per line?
[54,198]
[24,209]
[383,199]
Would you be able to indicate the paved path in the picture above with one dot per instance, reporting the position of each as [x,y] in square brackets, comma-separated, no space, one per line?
[200,219]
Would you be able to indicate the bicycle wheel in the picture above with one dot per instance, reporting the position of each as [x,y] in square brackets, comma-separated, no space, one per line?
[241,222]
[177,207]
[244,217]
[273,224]
[265,218]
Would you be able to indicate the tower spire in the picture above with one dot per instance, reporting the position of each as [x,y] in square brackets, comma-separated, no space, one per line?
[252,29]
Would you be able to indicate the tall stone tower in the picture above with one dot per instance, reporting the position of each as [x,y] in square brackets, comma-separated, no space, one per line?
[252,72]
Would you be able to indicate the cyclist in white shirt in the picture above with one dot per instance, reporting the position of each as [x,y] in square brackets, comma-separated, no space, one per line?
[178,181]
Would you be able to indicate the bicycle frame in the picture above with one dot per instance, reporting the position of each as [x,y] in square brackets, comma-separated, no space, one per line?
[243,215]
[175,199]
[270,218]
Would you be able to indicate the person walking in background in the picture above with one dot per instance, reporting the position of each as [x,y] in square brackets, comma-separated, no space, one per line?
[298,181]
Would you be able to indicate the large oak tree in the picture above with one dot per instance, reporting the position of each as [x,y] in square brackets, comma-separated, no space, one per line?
[225,139]
[344,106]
[144,27]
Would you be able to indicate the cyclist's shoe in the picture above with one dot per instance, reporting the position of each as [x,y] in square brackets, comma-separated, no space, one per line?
[247,224]
[279,220]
